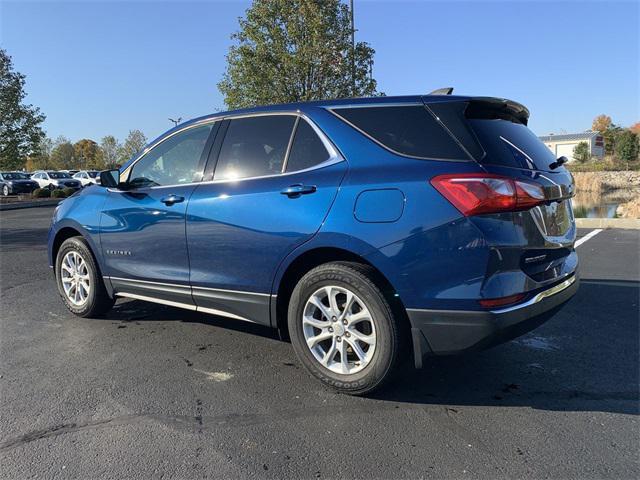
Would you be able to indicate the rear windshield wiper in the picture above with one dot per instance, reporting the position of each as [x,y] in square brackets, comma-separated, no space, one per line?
[559,162]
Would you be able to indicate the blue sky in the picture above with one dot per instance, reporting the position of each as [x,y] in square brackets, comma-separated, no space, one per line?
[98,68]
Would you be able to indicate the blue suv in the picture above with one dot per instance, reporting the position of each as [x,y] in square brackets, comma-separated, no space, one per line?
[365,230]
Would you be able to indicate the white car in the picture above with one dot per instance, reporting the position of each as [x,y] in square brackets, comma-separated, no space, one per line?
[52,180]
[88,177]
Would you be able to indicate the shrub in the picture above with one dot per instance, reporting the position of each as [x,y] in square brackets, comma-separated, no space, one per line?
[59,194]
[68,191]
[581,152]
[41,193]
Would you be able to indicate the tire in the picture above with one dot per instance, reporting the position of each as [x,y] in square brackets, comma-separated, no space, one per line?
[51,187]
[360,375]
[5,190]
[96,300]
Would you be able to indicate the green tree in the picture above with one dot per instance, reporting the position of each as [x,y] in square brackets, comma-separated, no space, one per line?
[581,152]
[133,144]
[627,147]
[88,154]
[610,136]
[20,130]
[295,50]
[110,146]
[63,155]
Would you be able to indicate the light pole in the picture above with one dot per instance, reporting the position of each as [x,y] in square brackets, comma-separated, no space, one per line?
[353,51]
[175,122]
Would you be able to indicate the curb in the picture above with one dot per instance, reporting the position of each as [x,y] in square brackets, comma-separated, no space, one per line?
[19,205]
[608,223]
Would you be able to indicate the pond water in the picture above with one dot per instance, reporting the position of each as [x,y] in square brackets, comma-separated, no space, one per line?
[602,210]
[599,205]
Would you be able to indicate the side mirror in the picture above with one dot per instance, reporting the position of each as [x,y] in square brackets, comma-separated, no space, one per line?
[110,178]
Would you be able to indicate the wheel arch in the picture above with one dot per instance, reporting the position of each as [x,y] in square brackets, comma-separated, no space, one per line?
[318,256]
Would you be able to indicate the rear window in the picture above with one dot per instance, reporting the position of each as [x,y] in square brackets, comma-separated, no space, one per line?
[511,144]
[408,130]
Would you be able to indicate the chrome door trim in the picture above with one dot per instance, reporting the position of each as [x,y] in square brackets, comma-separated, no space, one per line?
[178,285]
[136,296]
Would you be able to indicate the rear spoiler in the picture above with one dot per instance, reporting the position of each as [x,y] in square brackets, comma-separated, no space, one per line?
[452,113]
[490,107]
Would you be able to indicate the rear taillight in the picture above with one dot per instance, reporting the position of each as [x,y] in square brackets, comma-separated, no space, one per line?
[475,194]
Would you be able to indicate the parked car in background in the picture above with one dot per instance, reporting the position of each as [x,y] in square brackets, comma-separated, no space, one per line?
[364,229]
[52,180]
[12,183]
[70,172]
[87,177]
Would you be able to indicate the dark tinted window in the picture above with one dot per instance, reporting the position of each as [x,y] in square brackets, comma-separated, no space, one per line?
[173,161]
[511,144]
[409,130]
[254,147]
[307,149]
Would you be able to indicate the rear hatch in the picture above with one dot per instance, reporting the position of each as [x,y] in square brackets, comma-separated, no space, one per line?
[494,132]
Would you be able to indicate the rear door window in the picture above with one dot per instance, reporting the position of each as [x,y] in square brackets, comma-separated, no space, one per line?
[307,150]
[254,147]
[408,130]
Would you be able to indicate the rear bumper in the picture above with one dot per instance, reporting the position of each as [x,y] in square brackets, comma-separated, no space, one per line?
[450,332]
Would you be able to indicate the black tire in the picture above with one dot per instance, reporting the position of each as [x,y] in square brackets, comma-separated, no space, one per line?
[98,301]
[360,280]
[5,190]
[51,187]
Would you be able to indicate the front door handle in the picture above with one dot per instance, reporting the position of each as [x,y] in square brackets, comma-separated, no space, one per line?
[293,191]
[171,199]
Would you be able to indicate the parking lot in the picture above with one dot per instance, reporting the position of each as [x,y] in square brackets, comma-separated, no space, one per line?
[153,391]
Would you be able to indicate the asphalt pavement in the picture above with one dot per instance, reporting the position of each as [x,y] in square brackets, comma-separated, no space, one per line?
[157,392]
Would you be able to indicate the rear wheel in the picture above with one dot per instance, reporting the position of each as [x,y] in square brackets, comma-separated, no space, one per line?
[5,190]
[79,280]
[342,328]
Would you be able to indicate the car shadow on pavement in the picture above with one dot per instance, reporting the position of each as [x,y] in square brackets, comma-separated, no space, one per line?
[586,358]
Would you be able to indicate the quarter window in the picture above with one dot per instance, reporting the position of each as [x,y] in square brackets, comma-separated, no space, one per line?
[408,130]
[254,147]
[307,149]
[174,161]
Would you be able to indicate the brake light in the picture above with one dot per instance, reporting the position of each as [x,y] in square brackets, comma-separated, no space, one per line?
[475,194]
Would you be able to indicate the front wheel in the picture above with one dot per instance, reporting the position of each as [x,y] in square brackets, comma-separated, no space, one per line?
[79,281]
[5,190]
[342,328]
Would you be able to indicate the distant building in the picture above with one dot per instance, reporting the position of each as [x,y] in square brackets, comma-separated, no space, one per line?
[563,145]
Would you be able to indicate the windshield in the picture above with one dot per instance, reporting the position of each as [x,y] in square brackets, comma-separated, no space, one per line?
[59,175]
[14,176]
[511,144]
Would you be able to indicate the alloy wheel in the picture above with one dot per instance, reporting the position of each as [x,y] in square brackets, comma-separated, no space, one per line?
[76,281]
[339,330]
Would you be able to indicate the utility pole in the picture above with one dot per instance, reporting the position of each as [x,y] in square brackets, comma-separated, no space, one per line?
[176,122]
[353,52]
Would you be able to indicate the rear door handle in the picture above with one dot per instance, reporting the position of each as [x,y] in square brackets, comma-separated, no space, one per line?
[293,191]
[171,199]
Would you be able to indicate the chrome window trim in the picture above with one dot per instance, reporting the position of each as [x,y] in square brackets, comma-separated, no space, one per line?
[201,123]
[334,154]
[389,149]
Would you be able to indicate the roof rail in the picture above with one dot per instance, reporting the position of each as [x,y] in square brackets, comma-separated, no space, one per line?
[442,91]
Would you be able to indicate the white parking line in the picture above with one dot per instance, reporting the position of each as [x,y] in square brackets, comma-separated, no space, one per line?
[588,236]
